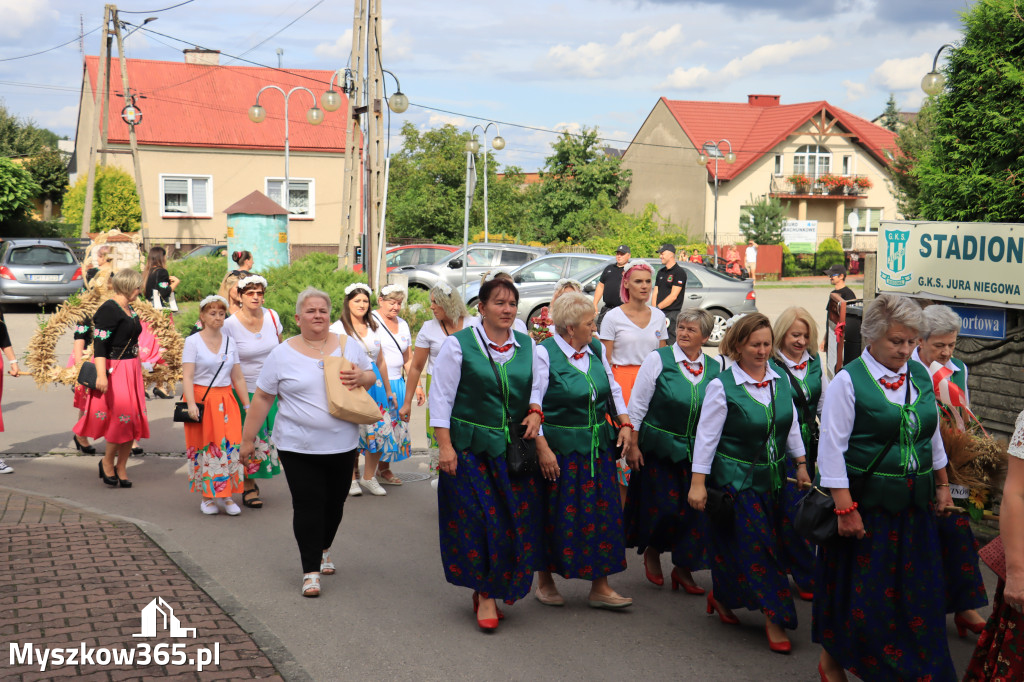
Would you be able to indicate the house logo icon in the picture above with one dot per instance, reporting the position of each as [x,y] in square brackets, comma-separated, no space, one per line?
[158,608]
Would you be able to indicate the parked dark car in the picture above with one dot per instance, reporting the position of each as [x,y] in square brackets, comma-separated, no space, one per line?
[38,271]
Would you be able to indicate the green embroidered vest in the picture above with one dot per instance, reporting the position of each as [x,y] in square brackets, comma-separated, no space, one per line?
[806,393]
[483,411]
[748,433]
[576,403]
[670,426]
[908,428]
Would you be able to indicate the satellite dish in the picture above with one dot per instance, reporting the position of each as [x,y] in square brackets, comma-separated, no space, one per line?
[854,220]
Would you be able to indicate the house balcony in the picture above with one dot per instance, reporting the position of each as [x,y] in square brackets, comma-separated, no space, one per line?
[823,186]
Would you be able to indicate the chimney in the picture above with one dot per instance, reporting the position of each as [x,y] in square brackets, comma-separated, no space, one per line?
[763,100]
[205,57]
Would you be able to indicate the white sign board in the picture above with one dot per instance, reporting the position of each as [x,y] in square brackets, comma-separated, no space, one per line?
[801,236]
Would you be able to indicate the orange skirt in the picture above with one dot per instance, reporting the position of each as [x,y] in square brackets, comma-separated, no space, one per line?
[212,445]
[625,377]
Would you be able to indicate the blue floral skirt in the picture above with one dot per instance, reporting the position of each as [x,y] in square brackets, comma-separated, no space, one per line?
[399,429]
[490,527]
[797,553]
[379,437]
[658,516]
[878,609]
[965,588]
[583,518]
[746,563]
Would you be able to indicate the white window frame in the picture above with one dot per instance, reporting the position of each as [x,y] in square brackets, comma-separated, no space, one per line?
[847,165]
[311,185]
[864,214]
[821,156]
[191,212]
[779,168]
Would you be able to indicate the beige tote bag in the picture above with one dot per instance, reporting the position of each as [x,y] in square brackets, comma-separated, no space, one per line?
[353,405]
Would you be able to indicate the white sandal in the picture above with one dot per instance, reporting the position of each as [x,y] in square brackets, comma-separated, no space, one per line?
[327,566]
[310,584]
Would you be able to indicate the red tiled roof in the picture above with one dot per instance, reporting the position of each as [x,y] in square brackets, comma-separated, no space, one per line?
[755,129]
[196,105]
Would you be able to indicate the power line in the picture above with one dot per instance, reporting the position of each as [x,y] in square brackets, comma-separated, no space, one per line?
[285,27]
[50,49]
[154,11]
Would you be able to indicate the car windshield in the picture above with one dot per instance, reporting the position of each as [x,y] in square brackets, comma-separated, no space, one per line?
[40,255]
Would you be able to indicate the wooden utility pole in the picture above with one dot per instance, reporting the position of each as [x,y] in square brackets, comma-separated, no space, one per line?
[131,135]
[101,106]
[374,146]
[351,213]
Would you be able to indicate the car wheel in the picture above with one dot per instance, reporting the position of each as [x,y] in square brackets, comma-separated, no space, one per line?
[417,285]
[718,330]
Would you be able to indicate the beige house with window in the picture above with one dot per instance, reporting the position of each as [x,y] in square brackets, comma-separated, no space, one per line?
[199,152]
[773,144]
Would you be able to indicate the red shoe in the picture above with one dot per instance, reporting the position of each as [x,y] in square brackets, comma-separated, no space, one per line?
[962,625]
[658,580]
[488,625]
[821,671]
[783,647]
[689,588]
[476,606]
[714,606]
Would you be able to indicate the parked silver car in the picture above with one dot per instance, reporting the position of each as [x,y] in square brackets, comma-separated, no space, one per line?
[536,280]
[480,259]
[38,271]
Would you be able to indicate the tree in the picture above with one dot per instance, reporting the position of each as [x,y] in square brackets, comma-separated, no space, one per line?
[17,190]
[21,137]
[49,168]
[911,142]
[891,115]
[427,189]
[762,220]
[579,185]
[115,202]
[973,169]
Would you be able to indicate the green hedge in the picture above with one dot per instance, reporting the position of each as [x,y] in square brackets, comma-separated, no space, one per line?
[199,277]
[830,252]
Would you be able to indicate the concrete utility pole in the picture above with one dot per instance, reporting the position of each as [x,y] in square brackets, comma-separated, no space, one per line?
[131,135]
[101,106]
[374,147]
[351,184]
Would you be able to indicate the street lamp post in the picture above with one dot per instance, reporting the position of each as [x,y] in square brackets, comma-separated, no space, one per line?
[933,81]
[474,146]
[711,150]
[257,114]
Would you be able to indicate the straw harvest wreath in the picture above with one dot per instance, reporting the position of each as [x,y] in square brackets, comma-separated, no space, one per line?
[41,357]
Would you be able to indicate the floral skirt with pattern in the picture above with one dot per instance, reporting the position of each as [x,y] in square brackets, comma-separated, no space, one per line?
[119,415]
[746,561]
[797,553]
[999,655]
[399,428]
[264,462]
[658,515]
[583,518]
[211,446]
[490,527]
[379,436]
[965,588]
[875,607]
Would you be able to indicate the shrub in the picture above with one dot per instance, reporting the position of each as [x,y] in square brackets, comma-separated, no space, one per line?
[38,229]
[17,189]
[830,252]
[643,232]
[115,202]
[788,262]
[199,277]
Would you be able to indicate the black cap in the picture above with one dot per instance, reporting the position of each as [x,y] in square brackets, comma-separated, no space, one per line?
[623,248]
[667,247]
[834,270]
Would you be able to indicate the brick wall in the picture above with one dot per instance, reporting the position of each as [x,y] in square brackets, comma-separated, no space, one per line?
[996,375]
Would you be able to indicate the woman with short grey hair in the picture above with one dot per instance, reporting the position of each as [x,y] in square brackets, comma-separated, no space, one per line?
[965,589]
[887,311]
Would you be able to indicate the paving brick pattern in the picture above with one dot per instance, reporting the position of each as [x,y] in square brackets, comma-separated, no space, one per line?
[71,578]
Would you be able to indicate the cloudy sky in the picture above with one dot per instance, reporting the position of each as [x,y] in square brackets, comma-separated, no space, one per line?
[532,63]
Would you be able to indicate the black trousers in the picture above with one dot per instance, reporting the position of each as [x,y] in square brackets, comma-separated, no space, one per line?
[319,485]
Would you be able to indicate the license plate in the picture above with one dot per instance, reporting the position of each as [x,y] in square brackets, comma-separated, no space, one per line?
[44,278]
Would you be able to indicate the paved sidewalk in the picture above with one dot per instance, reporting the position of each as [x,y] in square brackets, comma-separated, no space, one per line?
[74,579]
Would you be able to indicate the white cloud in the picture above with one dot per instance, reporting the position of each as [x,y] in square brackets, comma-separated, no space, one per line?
[395,45]
[63,118]
[592,60]
[902,74]
[775,54]
[437,119]
[854,91]
[20,15]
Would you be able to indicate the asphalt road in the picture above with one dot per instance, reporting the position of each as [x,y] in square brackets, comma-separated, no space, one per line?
[388,613]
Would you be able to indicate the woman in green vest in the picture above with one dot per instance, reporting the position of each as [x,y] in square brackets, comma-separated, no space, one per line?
[878,609]
[489,521]
[796,358]
[965,589]
[665,410]
[576,449]
[747,425]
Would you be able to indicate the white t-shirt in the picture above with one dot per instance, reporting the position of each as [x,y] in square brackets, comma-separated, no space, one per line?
[751,254]
[394,354]
[253,348]
[431,337]
[370,343]
[632,344]
[303,423]
[207,363]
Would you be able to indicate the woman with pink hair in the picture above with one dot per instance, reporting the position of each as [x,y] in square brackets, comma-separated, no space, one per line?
[629,333]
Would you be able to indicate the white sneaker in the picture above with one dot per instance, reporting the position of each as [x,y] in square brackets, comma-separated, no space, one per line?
[354,490]
[4,469]
[372,486]
[209,507]
[231,507]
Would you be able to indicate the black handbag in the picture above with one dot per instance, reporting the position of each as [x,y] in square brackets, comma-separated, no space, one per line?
[87,374]
[181,407]
[520,454]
